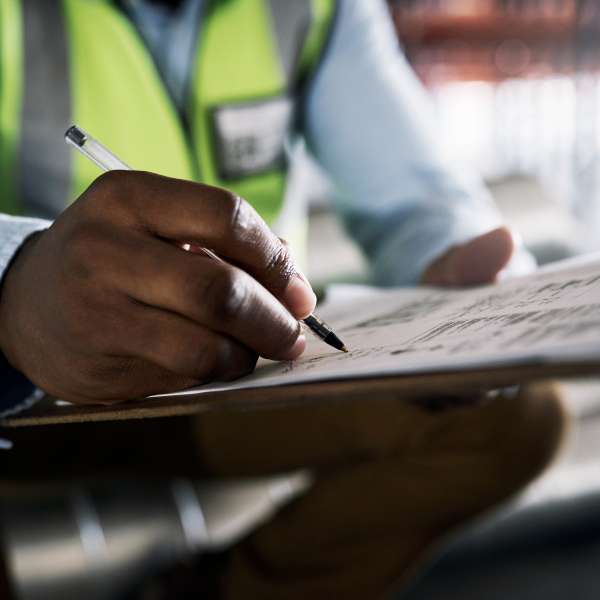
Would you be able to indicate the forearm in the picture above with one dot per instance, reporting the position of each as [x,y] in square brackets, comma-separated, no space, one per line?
[402,244]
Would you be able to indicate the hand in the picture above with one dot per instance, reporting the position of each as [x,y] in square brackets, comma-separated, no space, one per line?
[478,261]
[104,306]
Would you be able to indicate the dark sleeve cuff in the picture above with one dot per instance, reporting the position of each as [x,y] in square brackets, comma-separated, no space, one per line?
[16,391]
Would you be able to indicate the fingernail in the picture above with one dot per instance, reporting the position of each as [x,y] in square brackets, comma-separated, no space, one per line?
[299,297]
[297,349]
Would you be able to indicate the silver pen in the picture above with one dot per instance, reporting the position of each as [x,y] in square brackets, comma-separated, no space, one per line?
[107,161]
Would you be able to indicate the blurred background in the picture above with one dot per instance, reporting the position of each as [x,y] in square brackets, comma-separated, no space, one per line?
[516,89]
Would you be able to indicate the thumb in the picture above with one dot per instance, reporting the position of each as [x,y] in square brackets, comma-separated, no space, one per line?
[478,261]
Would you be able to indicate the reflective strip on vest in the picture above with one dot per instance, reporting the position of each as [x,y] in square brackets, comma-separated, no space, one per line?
[44,161]
[291,24]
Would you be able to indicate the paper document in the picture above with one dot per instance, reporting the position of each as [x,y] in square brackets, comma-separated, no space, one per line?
[552,315]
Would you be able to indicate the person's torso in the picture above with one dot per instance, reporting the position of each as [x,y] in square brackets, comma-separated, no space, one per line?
[87,64]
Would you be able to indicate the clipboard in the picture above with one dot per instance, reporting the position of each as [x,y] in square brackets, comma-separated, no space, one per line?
[406,343]
[50,411]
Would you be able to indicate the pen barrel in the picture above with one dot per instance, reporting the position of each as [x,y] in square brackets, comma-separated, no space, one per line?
[94,150]
[317,326]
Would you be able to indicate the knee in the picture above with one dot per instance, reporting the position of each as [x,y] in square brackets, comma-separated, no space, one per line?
[536,426]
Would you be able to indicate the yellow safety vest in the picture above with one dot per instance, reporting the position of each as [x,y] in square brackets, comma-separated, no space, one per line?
[82,61]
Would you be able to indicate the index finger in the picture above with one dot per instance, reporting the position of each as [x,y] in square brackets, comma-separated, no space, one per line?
[222,221]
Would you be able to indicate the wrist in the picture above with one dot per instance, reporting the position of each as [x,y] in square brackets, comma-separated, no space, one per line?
[8,283]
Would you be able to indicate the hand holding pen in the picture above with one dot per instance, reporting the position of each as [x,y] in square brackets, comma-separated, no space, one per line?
[101,306]
[107,161]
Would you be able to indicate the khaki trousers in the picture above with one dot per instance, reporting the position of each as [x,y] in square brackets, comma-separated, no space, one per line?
[392,478]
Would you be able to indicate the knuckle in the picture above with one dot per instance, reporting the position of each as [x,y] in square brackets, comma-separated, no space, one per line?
[236,212]
[226,294]
[110,184]
[115,191]
[280,267]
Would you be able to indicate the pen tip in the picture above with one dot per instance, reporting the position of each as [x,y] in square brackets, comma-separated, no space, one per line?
[344,349]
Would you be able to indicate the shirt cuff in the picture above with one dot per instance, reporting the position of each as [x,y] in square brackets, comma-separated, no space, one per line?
[13,232]
[413,242]
[17,393]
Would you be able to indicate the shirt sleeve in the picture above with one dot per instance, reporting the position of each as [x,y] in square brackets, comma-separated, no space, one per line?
[370,124]
[16,391]
[13,232]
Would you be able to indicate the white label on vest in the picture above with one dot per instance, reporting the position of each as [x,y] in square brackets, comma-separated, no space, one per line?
[251,137]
